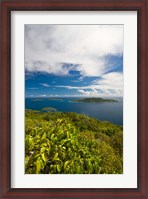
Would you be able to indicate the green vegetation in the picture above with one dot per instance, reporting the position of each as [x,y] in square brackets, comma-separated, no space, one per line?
[97,100]
[70,143]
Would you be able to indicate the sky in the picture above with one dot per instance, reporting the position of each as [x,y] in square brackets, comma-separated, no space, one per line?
[73,60]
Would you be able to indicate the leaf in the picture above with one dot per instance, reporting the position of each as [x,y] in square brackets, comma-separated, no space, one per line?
[36,156]
[32,132]
[59,120]
[43,157]
[30,140]
[38,166]
[58,168]
[73,142]
[44,144]
[42,149]
[55,157]
[64,141]
[65,164]
[67,134]
[79,170]
[44,136]
[90,165]
[55,168]
[64,147]
[52,136]
[26,160]
[48,150]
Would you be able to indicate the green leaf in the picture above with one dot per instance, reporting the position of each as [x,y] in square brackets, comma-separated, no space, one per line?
[79,169]
[30,140]
[72,141]
[44,136]
[52,136]
[43,157]
[64,147]
[65,164]
[59,120]
[42,149]
[48,150]
[67,134]
[58,168]
[64,141]
[38,166]
[36,156]
[44,144]
[55,157]
[26,160]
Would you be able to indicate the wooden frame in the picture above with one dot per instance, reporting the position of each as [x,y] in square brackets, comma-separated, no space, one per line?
[141,6]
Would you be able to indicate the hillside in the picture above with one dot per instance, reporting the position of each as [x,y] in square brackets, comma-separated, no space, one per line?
[71,143]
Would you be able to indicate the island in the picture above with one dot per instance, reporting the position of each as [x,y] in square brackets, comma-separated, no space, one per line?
[56,99]
[96,100]
[37,99]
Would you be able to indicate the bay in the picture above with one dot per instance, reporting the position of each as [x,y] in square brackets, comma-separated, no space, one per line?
[105,111]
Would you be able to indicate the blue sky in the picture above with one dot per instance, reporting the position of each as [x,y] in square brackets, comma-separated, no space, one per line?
[73,60]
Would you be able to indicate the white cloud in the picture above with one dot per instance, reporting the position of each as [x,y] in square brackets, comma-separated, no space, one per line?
[45,85]
[47,47]
[43,95]
[110,84]
[112,80]
[93,92]
[84,92]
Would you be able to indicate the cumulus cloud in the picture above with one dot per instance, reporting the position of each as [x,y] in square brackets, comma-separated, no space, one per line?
[44,84]
[57,49]
[112,80]
[109,84]
[93,92]
[44,95]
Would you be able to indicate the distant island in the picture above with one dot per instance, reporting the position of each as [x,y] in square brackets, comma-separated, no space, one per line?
[37,99]
[97,100]
[56,99]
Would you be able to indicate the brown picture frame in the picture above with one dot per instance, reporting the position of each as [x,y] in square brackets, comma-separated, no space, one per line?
[141,6]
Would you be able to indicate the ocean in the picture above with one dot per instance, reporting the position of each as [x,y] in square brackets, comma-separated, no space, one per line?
[104,111]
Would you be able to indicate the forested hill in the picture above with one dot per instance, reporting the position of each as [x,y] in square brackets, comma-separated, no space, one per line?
[71,143]
[97,100]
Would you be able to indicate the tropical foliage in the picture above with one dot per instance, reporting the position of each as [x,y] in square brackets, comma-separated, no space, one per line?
[70,143]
